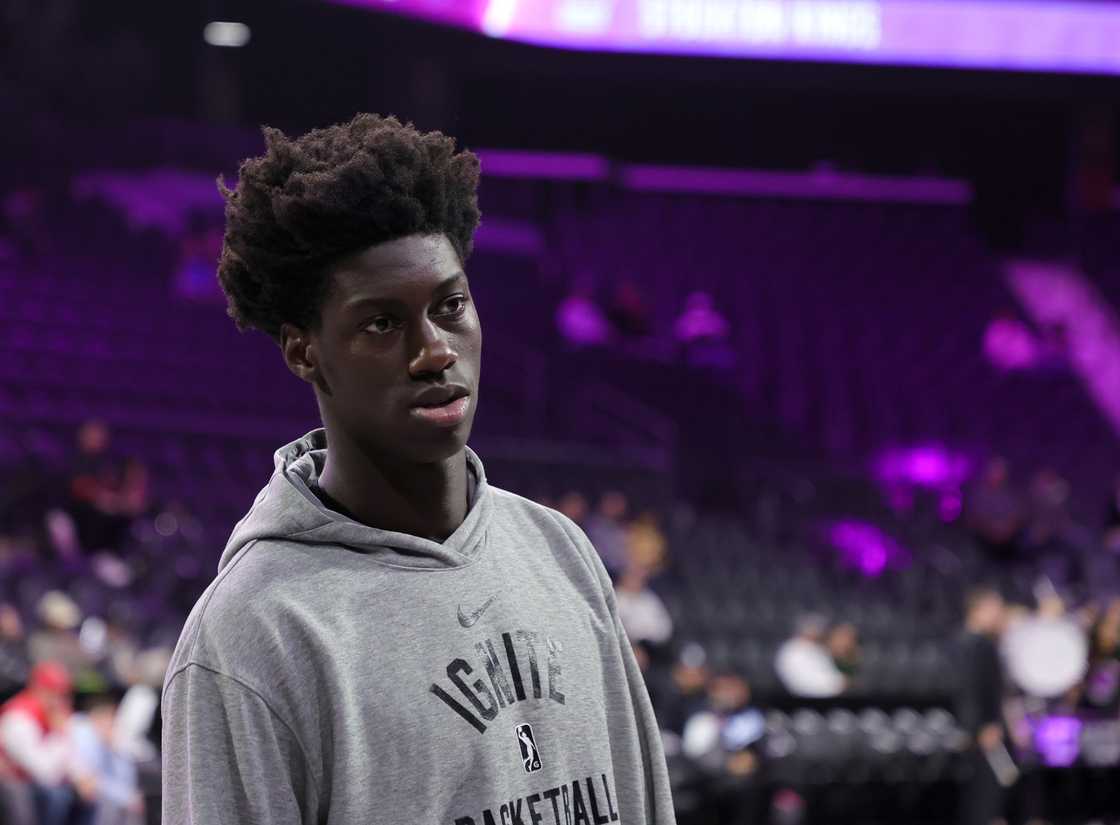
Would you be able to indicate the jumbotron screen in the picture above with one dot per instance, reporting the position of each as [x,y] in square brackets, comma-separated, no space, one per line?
[1027,35]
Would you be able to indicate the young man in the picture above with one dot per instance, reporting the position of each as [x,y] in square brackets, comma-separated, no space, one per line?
[389,638]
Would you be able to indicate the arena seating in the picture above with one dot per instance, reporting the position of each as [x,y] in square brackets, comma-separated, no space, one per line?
[857,328]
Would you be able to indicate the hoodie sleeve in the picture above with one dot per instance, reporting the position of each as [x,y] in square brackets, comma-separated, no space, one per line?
[227,758]
[659,801]
[656,795]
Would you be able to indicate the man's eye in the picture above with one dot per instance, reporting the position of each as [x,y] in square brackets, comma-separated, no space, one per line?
[382,323]
[455,304]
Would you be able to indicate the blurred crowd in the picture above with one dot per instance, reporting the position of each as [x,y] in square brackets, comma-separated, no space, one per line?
[81,670]
[1018,664]
[79,688]
[700,333]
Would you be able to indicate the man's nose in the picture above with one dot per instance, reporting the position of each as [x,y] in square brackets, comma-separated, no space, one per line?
[434,354]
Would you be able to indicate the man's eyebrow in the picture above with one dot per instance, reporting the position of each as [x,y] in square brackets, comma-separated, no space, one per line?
[362,300]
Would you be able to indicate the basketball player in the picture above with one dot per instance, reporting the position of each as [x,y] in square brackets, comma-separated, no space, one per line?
[389,638]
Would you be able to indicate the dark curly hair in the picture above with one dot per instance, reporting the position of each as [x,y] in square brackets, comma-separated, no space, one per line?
[307,203]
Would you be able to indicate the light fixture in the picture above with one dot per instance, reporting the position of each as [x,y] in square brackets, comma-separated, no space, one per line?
[219,33]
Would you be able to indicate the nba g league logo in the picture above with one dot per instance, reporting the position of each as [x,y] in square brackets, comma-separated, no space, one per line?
[530,756]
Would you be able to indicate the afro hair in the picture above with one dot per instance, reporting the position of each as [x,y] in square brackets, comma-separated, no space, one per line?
[307,203]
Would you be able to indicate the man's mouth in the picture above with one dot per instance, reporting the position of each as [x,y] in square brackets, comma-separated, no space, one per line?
[448,413]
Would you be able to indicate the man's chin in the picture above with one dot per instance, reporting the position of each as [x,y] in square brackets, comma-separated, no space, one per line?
[437,447]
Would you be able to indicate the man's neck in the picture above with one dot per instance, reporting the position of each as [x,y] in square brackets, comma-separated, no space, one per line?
[426,500]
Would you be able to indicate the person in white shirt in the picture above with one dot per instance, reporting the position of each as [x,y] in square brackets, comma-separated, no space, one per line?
[804,665]
[641,611]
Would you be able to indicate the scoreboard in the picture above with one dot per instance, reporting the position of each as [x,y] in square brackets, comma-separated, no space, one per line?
[1023,35]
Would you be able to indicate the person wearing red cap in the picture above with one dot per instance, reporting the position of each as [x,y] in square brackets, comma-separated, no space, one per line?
[34,753]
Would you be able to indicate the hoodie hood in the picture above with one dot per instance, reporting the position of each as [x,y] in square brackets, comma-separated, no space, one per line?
[287,510]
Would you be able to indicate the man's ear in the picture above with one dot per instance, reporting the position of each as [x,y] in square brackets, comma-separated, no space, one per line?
[299,355]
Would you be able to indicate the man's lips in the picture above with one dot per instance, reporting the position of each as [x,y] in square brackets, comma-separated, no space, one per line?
[448,414]
[438,395]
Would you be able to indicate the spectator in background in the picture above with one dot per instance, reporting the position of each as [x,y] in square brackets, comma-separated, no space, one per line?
[102,772]
[1102,684]
[579,318]
[93,481]
[641,611]
[721,739]
[574,505]
[133,496]
[1052,536]
[627,310]
[117,662]
[646,543]
[699,322]
[606,528]
[15,663]
[980,706]
[994,512]
[843,647]
[805,666]
[34,749]
[93,462]
[104,507]
[1048,525]
[56,639]
[1044,653]
[702,331]
[689,691]
[126,500]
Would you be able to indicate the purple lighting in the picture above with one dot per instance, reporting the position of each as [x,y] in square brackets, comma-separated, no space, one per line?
[865,546]
[464,13]
[511,163]
[1030,35]
[820,184]
[929,465]
[1058,739]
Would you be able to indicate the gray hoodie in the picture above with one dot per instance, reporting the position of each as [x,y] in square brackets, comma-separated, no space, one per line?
[337,673]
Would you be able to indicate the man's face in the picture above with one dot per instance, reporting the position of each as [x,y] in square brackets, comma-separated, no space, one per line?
[102,718]
[842,640]
[55,701]
[93,437]
[728,693]
[992,613]
[11,627]
[399,337]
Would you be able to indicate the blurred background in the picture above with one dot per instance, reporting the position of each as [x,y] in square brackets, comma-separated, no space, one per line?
[806,310]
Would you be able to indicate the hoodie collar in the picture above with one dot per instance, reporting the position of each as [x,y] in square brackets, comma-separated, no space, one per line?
[287,510]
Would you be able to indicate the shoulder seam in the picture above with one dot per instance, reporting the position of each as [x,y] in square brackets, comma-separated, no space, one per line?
[243,552]
[566,524]
[268,706]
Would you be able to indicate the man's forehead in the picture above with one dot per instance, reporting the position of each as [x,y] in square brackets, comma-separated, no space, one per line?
[406,259]
[406,252]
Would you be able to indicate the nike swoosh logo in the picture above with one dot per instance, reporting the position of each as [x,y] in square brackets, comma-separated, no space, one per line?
[467,621]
